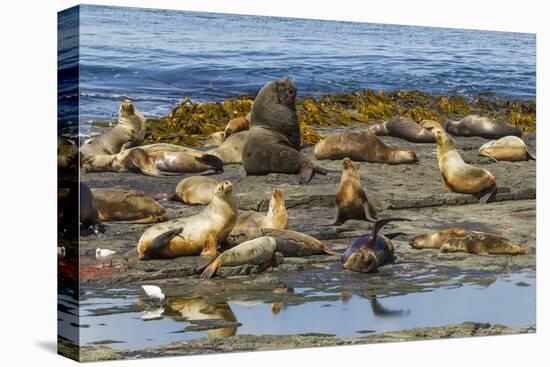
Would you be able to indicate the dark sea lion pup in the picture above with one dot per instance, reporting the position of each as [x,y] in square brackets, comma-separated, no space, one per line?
[404,128]
[475,125]
[273,142]
[367,253]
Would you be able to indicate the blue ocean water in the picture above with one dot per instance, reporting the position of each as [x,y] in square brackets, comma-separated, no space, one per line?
[156,57]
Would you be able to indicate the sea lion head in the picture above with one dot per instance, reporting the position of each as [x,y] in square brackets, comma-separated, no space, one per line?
[97,163]
[443,140]
[223,189]
[404,156]
[126,109]
[277,210]
[286,91]
[453,127]
[349,168]
[435,239]
[361,261]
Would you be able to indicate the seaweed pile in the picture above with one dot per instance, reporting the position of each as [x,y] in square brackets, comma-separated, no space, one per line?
[190,122]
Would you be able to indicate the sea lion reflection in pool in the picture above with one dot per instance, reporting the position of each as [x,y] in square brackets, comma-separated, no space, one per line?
[273,142]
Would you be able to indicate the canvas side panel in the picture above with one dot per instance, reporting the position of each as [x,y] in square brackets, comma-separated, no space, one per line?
[67,179]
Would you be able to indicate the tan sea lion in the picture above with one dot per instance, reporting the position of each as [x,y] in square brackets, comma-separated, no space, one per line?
[231,150]
[276,218]
[127,205]
[195,190]
[237,124]
[129,132]
[459,176]
[404,128]
[509,148]
[197,234]
[67,153]
[154,160]
[351,200]
[367,253]
[436,239]
[273,141]
[289,243]
[363,146]
[482,244]
[259,251]
[475,125]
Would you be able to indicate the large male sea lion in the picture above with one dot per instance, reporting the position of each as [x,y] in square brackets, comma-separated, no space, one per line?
[231,150]
[475,125]
[404,128]
[367,253]
[259,251]
[510,148]
[127,205]
[197,234]
[276,218]
[482,244]
[273,142]
[130,131]
[237,124]
[195,190]
[363,146]
[459,176]
[351,200]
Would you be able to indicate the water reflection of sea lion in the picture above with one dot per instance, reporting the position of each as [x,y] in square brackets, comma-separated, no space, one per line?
[404,128]
[231,150]
[509,148]
[67,153]
[197,234]
[127,205]
[277,216]
[459,176]
[289,243]
[436,239]
[237,124]
[475,125]
[130,131]
[367,253]
[482,244]
[258,251]
[273,141]
[154,160]
[363,146]
[351,200]
[195,190]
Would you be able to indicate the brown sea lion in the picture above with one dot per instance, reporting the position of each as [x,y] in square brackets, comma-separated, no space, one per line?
[231,150]
[351,200]
[273,141]
[404,128]
[259,251]
[289,243]
[195,190]
[197,234]
[154,160]
[89,215]
[475,125]
[482,244]
[127,205]
[363,146]
[276,218]
[129,132]
[367,253]
[459,176]
[436,239]
[67,153]
[237,124]
[509,148]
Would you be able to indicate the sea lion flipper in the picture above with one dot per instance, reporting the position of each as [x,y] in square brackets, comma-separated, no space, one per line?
[393,235]
[306,173]
[162,240]
[320,170]
[211,160]
[530,155]
[205,262]
[370,212]
[382,222]
[487,195]
[211,267]
[329,251]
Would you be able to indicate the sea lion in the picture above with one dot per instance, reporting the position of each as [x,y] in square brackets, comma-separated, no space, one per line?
[215,139]
[482,244]
[430,125]
[436,239]
[89,215]
[154,160]
[259,251]
[231,150]
[289,243]
[129,132]
[237,124]
[367,253]
[404,128]
[67,153]
[273,141]
[351,200]
[276,218]
[475,125]
[195,190]
[197,234]
[459,176]
[363,146]
[510,148]
[127,205]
